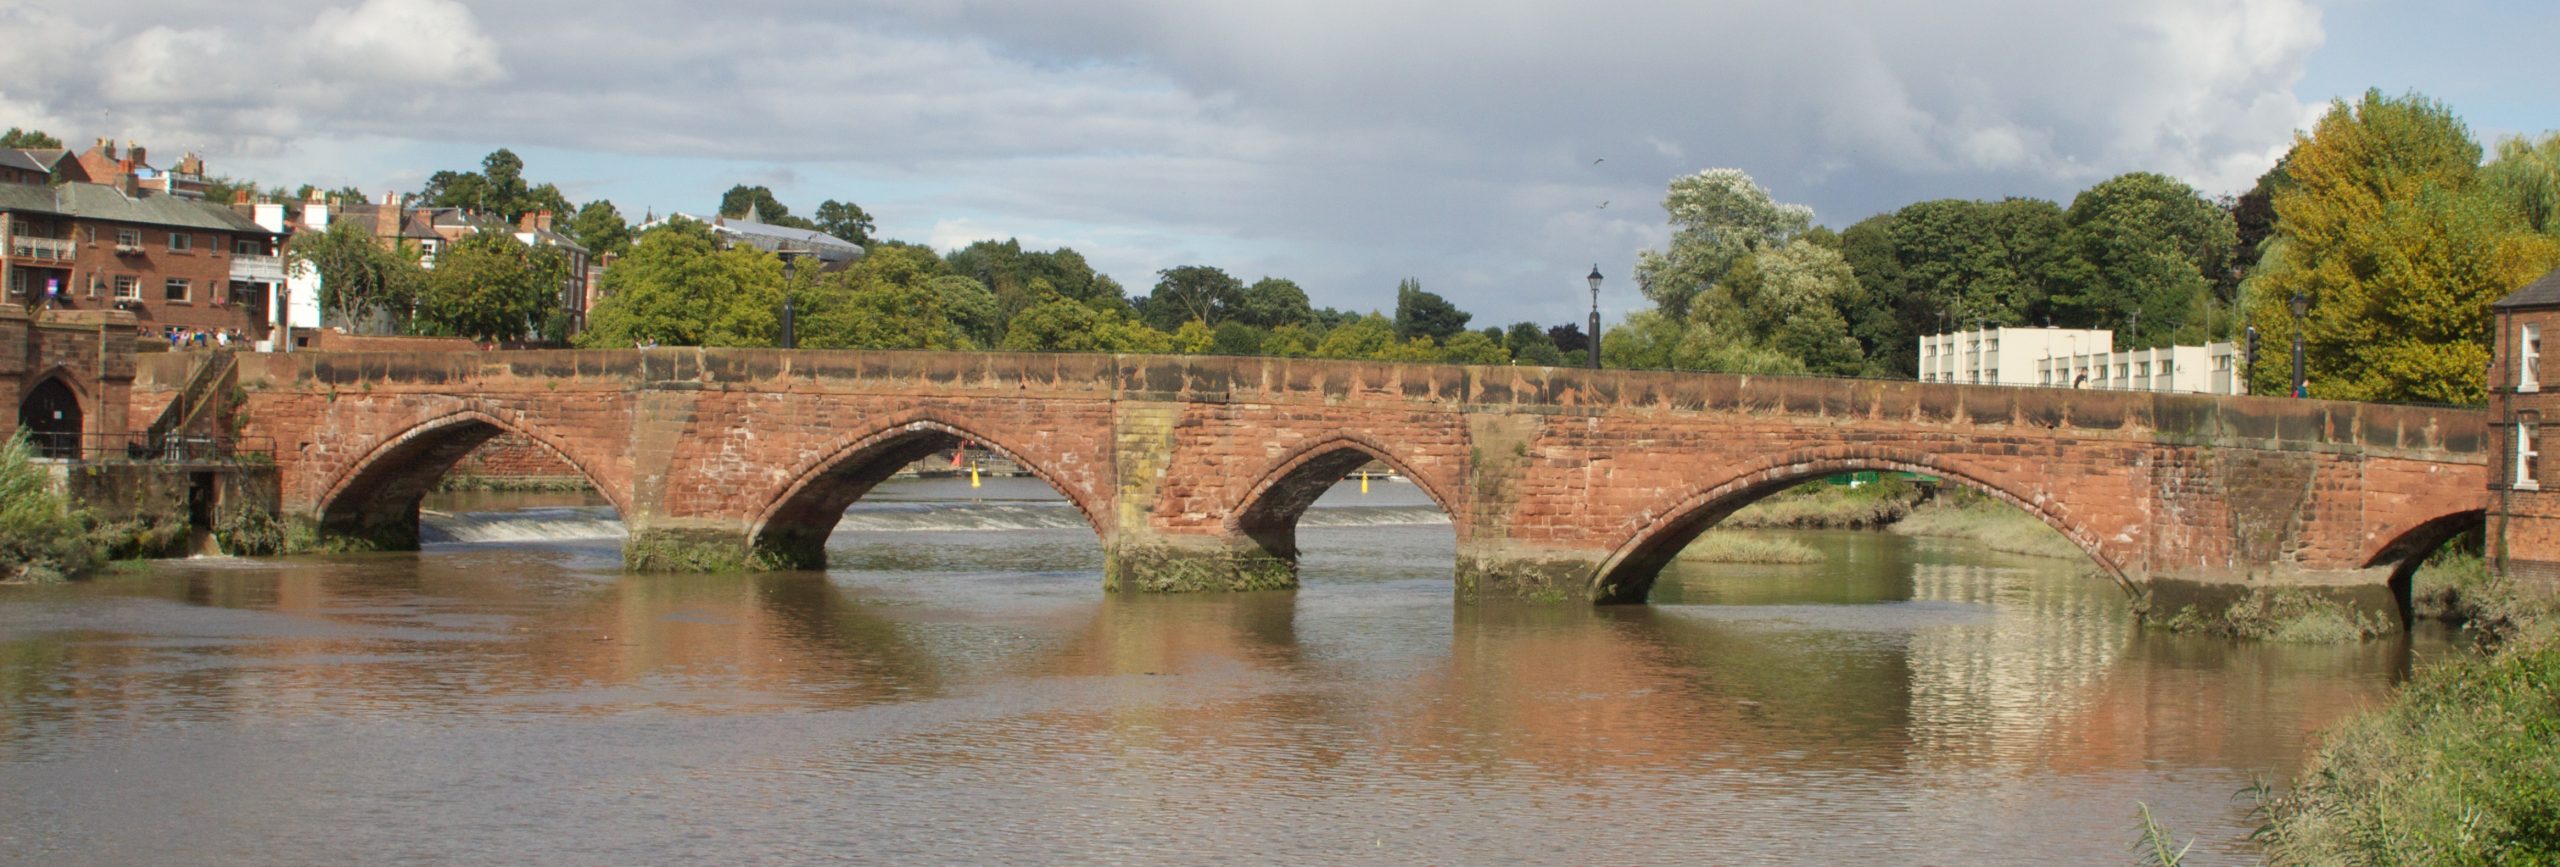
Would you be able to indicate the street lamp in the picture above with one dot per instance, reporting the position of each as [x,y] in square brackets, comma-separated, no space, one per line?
[1594,280]
[790,266]
[2301,304]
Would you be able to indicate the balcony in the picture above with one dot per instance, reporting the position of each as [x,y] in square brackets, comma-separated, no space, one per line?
[253,268]
[41,249]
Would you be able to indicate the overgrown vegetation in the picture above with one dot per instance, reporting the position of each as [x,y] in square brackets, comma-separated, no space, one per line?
[42,539]
[2462,767]
[1723,546]
[2291,615]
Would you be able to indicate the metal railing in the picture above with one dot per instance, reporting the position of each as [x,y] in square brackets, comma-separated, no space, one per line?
[50,249]
[140,447]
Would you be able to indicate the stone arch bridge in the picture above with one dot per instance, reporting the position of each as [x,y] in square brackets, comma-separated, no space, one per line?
[1193,471]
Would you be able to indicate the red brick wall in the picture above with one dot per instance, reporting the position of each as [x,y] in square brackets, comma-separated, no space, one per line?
[1543,465]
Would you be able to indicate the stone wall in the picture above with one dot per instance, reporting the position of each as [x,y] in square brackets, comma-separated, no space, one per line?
[1559,481]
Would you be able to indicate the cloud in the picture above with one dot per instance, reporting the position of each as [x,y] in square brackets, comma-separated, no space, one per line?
[1344,143]
[404,42]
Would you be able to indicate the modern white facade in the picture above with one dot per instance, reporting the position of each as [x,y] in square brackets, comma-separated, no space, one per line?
[2077,358]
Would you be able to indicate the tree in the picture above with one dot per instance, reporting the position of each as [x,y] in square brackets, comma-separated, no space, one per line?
[1272,302]
[757,204]
[844,220]
[599,227]
[1530,344]
[490,286]
[2153,248]
[2388,232]
[1062,324]
[361,283]
[1192,293]
[1717,217]
[28,138]
[1425,314]
[679,288]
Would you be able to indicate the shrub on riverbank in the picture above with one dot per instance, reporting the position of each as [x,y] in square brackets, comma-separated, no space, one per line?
[1989,523]
[1719,546]
[2462,767]
[41,538]
[1827,507]
[2287,616]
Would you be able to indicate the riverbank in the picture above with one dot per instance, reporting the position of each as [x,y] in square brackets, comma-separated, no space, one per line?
[2461,766]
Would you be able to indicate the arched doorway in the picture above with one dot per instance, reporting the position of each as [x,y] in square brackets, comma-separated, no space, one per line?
[51,417]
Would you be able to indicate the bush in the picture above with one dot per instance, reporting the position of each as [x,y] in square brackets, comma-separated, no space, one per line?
[2462,767]
[41,537]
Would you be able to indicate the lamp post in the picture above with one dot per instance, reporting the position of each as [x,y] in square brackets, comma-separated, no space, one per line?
[2300,304]
[790,266]
[1594,280]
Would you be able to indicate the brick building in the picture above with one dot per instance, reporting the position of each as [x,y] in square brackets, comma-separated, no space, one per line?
[170,260]
[2524,516]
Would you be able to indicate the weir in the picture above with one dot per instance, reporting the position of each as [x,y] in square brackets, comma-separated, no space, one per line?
[1193,472]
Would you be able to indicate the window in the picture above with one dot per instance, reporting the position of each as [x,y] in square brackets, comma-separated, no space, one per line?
[2528,469]
[128,288]
[2529,358]
[177,289]
[180,242]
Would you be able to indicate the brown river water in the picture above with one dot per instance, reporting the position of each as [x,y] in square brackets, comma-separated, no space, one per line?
[958,688]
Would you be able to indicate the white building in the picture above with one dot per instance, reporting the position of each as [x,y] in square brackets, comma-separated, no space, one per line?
[2077,358]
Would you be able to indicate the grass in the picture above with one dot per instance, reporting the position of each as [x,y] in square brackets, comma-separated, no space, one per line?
[1821,507]
[1718,546]
[2461,767]
[1990,524]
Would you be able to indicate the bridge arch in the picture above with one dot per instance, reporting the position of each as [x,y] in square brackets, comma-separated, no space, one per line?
[2405,551]
[1268,514]
[793,529]
[1627,575]
[375,498]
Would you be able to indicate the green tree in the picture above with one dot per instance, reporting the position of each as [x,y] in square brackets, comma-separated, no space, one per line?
[757,204]
[362,283]
[2153,248]
[1426,314]
[600,228]
[489,286]
[1717,217]
[2388,232]
[1192,293]
[1062,324]
[1473,347]
[1272,302]
[679,288]
[28,138]
[844,220]
[1371,336]
[1529,344]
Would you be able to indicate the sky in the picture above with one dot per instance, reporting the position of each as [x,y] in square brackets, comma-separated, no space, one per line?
[1495,150]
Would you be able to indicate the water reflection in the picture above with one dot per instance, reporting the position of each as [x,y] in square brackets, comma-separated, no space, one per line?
[971,694]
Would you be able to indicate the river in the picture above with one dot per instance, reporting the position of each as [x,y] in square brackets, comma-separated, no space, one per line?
[959,688]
